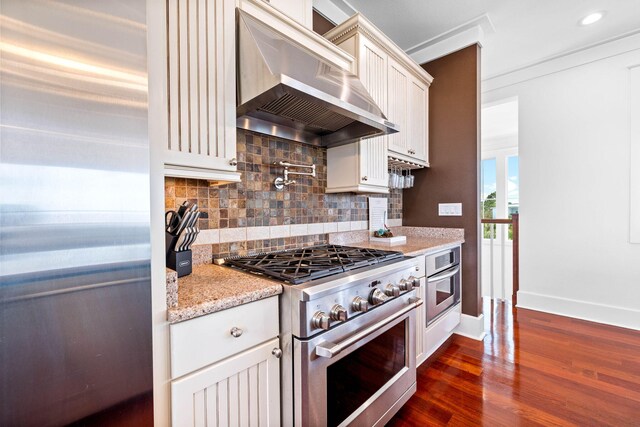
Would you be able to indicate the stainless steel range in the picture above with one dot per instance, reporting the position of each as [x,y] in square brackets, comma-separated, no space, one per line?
[348,327]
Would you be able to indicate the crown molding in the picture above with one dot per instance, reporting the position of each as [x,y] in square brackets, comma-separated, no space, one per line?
[464,35]
[358,24]
[483,22]
[607,48]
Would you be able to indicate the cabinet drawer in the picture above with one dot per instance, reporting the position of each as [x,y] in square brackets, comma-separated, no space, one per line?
[438,332]
[199,342]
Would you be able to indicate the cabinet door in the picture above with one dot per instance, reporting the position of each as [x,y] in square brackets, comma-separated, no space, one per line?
[372,71]
[202,84]
[298,10]
[373,162]
[418,129]
[243,390]
[397,103]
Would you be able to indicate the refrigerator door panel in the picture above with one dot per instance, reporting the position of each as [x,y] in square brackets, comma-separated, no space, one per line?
[75,288]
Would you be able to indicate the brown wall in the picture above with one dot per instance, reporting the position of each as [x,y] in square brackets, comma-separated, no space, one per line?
[454,155]
[321,24]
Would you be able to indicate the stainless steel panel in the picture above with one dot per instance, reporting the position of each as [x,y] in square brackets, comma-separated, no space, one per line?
[434,265]
[75,298]
[449,279]
[286,91]
[310,370]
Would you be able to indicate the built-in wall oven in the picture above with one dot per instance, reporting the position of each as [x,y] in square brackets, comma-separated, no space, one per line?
[443,282]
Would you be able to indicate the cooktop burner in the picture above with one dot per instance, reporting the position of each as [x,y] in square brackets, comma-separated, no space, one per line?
[301,265]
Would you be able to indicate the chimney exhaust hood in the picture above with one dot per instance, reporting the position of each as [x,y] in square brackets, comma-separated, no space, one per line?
[290,93]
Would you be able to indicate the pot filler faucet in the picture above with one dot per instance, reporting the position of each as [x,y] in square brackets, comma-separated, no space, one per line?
[281,182]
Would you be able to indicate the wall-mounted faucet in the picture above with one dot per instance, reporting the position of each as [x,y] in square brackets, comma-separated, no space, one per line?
[282,182]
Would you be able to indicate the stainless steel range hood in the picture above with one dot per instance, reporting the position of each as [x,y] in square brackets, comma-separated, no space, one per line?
[287,92]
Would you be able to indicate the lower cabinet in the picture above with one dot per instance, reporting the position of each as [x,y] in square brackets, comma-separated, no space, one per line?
[440,330]
[422,322]
[243,390]
[226,367]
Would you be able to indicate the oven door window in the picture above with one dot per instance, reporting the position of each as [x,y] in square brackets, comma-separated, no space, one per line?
[355,378]
[444,290]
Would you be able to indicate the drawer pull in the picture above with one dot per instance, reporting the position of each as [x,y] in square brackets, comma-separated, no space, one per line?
[277,353]
[236,332]
[233,162]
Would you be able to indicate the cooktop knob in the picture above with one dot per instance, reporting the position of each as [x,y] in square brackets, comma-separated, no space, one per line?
[406,285]
[392,290]
[338,313]
[360,304]
[320,320]
[377,297]
[415,281]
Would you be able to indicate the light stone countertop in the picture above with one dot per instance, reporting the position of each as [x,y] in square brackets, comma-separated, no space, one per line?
[420,240]
[210,288]
[415,245]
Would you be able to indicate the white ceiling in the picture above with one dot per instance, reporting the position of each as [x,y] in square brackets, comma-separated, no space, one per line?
[526,31]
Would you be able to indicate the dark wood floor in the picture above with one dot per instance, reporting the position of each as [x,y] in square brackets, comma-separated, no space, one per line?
[532,369]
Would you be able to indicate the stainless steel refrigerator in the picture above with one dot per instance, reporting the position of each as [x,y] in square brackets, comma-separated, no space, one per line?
[75,287]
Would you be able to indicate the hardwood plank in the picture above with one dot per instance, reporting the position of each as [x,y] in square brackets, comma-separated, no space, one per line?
[533,368]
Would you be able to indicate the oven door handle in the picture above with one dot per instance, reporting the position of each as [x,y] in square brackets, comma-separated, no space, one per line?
[329,349]
[443,275]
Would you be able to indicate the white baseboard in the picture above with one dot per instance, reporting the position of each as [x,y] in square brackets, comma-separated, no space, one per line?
[600,313]
[471,327]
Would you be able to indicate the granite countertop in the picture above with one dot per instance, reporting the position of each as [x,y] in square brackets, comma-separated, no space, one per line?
[210,288]
[415,245]
[420,240]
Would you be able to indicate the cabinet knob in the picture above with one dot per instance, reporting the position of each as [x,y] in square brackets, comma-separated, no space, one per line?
[236,332]
[233,162]
[365,178]
[277,353]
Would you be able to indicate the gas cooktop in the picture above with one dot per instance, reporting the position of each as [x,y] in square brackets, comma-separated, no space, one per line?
[302,265]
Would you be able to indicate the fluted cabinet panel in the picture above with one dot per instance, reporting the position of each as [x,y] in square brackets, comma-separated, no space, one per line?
[417,132]
[243,390]
[397,105]
[201,85]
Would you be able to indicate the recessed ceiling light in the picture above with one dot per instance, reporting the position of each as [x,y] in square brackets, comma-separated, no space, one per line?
[591,18]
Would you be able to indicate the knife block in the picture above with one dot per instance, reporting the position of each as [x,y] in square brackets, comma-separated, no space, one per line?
[180,262]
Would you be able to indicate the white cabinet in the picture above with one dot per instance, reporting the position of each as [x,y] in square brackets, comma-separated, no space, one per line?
[201,98]
[417,140]
[397,107]
[399,86]
[421,324]
[300,11]
[440,330]
[362,166]
[226,367]
[359,167]
[243,390]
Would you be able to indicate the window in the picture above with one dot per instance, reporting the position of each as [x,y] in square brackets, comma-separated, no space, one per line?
[500,191]
[513,189]
[488,195]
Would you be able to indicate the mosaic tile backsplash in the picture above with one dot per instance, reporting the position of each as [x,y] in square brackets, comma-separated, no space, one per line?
[255,201]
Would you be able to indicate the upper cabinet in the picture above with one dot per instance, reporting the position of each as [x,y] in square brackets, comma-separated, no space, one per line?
[396,83]
[300,11]
[201,82]
[359,167]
